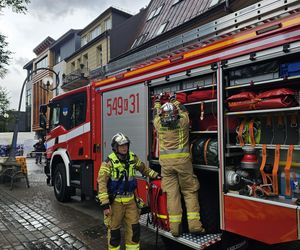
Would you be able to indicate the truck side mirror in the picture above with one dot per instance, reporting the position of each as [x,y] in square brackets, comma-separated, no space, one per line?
[42,117]
[43,121]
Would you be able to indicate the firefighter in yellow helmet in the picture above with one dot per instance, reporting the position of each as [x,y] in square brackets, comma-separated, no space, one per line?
[117,183]
[171,121]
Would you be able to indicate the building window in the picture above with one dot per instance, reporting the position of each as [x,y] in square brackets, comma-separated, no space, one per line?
[99,55]
[28,98]
[95,32]
[139,40]
[155,12]
[57,57]
[86,60]
[42,63]
[161,28]
[214,2]
[107,24]
[78,63]
[29,73]
[176,1]
[84,40]
[73,66]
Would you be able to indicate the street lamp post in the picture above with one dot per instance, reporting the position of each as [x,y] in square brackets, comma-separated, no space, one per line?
[11,161]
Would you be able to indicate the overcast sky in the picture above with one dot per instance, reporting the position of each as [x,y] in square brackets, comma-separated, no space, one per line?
[48,18]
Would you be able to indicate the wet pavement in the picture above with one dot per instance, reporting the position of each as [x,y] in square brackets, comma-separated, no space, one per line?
[31,218]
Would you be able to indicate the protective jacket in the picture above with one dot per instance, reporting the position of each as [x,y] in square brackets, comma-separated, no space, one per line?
[117,178]
[173,142]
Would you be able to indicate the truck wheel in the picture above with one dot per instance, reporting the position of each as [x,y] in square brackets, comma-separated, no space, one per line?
[61,191]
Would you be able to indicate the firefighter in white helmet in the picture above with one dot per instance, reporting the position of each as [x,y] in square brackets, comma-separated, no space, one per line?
[171,120]
[117,184]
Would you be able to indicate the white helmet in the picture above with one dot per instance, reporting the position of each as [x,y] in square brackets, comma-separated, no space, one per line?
[118,140]
[169,114]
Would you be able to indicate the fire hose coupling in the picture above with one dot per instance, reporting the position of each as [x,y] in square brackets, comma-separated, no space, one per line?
[140,203]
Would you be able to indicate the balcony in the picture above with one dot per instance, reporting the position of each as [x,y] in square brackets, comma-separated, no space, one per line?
[76,79]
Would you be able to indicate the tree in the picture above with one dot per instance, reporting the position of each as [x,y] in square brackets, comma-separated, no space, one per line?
[4,101]
[18,6]
[4,112]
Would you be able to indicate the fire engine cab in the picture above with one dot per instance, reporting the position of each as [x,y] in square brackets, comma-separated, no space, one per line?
[239,78]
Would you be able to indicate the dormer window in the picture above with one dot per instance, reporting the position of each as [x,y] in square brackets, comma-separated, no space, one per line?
[84,41]
[161,28]
[155,12]
[214,2]
[176,1]
[95,32]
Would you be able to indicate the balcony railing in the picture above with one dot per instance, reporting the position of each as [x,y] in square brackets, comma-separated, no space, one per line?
[76,79]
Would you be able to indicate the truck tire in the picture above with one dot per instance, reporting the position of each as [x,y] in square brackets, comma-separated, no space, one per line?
[61,191]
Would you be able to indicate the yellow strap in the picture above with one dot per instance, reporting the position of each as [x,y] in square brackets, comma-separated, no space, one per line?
[240,133]
[287,170]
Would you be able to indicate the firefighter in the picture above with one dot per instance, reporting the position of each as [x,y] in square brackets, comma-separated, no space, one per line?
[171,120]
[117,185]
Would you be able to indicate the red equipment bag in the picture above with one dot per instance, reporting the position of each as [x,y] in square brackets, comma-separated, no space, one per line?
[201,95]
[276,98]
[181,97]
[241,101]
[209,123]
[158,206]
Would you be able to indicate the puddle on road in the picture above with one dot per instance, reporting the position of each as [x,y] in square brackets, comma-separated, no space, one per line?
[95,232]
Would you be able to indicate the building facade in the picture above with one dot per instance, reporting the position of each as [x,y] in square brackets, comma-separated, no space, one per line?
[94,53]
[44,59]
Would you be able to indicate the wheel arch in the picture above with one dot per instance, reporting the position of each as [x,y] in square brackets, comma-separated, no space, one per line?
[58,156]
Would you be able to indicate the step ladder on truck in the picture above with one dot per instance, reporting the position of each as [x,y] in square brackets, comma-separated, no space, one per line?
[244,133]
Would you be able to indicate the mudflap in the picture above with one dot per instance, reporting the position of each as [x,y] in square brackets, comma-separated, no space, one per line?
[231,241]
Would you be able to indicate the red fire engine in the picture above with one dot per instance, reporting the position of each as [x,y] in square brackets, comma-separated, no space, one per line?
[239,80]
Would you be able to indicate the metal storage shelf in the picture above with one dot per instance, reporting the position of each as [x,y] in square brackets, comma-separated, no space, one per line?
[269,146]
[206,167]
[195,103]
[266,82]
[204,132]
[197,88]
[263,111]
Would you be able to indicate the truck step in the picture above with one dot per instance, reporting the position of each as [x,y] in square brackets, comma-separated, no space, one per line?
[75,183]
[76,168]
[190,240]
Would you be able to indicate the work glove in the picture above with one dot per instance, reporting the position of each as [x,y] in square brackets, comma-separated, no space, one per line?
[172,97]
[157,98]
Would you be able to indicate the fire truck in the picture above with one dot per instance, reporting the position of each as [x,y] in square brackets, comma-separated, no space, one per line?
[239,79]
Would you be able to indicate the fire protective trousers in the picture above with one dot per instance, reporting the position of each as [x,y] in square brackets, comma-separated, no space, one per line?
[176,179]
[129,214]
